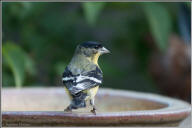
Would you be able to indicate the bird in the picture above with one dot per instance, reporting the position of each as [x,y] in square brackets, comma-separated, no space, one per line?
[83,76]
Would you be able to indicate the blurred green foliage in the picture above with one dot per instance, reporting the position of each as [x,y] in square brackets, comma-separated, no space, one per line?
[39,40]
[92,11]
[18,61]
[160,28]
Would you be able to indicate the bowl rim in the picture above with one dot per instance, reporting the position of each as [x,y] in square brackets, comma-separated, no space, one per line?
[175,110]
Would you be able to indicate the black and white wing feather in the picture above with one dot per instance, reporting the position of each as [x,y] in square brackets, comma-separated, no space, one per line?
[80,82]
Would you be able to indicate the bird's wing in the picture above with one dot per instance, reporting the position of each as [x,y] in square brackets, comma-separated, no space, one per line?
[83,81]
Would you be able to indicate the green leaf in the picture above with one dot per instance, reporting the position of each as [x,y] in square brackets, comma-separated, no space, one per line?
[92,11]
[29,65]
[18,61]
[160,23]
[15,60]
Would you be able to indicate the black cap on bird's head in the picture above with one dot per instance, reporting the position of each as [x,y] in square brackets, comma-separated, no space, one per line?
[91,44]
[92,47]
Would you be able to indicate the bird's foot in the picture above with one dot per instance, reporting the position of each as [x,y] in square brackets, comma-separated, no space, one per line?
[68,110]
[93,111]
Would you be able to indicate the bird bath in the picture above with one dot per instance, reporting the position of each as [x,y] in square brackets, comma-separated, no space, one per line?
[44,107]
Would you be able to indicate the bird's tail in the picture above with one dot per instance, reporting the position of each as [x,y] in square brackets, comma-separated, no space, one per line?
[78,100]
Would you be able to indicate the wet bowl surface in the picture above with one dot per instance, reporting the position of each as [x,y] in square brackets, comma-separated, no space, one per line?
[44,107]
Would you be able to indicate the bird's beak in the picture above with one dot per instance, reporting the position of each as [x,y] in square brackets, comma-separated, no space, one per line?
[103,50]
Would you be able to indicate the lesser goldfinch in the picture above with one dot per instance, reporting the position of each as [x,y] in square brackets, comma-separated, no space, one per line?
[83,76]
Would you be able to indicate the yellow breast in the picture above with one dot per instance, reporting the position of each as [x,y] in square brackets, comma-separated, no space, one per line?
[96,57]
[91,92]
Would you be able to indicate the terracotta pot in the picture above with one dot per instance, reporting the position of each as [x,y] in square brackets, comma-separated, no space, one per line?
[44,107]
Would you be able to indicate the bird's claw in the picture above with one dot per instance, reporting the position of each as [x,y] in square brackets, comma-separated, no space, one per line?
[67,110]
[93,111]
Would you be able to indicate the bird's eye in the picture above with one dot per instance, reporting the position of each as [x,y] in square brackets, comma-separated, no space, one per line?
[96,47]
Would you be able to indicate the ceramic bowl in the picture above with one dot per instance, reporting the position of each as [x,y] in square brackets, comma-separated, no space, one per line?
[44,107]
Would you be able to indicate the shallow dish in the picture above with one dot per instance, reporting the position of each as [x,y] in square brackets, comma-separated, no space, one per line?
[44,107]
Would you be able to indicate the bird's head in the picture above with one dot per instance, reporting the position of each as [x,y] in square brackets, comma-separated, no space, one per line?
[91,50]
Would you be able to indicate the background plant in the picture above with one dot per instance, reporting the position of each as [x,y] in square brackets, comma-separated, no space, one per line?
[39,40]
